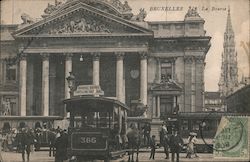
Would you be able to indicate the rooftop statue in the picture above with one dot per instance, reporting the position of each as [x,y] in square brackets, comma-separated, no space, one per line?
[50,8]
[192,12]
[126,7]
[27,19]
[141,16]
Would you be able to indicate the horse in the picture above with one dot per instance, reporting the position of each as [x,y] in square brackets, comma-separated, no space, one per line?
[134,136]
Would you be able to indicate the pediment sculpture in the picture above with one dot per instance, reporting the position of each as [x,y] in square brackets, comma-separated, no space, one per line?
[81,25]
[167,84]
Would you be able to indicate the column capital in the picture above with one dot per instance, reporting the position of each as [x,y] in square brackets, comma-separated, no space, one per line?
[96,56]
[119,55]
[199,59]
[188,59]
[173,59]
[143,54]
[45,56]
[68,56]
[23,56]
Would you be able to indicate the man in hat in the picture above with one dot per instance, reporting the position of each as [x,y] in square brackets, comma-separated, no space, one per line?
[153,147]
[176,145]
[164,139]
[23,140]
[146,133]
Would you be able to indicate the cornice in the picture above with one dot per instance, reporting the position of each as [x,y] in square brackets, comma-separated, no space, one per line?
[77,7]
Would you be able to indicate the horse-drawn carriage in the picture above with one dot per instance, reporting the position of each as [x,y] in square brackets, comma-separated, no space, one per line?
[97,129]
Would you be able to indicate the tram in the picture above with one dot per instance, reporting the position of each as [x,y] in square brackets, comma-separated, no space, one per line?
[97,126]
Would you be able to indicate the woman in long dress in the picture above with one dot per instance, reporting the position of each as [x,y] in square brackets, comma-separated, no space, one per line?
[190,146]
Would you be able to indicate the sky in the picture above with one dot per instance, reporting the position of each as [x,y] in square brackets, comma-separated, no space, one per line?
[214,12]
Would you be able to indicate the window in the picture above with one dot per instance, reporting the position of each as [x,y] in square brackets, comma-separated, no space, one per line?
[166,105]
[9,106]
[166,26]
[178,27]
[11,73]
[184,125]
[166,71]
[155,27]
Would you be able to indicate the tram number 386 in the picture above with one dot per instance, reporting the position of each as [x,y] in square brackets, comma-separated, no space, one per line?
[88,140]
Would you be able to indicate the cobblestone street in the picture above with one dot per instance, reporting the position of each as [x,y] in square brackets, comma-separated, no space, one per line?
[42,156]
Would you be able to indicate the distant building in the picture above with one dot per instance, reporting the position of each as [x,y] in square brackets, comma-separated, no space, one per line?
[213,101]
[229,70]
[228,82]
[239,101]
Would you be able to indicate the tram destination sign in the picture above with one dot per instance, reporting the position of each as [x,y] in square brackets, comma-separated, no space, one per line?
[88,90]
[88,141]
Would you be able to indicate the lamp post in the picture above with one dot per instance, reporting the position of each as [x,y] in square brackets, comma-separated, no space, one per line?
[71,83]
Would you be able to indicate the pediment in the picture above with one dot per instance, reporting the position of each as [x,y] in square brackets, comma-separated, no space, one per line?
[166,86]
[80,19]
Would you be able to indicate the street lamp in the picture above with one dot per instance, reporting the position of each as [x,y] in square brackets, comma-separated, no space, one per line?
[71,83]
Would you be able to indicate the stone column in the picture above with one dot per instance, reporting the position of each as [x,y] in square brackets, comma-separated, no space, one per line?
[173,69]
[23,76]
[144,79]
[193,86]
[199,88]
[188,83]
[68,68]
[154,105]
[119,76]
[96,68]
[158,106]
[45,85]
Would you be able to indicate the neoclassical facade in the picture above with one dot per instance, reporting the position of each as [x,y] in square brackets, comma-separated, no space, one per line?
[159,65]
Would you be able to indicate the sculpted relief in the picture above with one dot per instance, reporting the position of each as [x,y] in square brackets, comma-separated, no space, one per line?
[80,25]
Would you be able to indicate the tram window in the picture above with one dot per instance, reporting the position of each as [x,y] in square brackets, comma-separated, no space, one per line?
[184,124]
[93,120]
[104,119]
[195,125]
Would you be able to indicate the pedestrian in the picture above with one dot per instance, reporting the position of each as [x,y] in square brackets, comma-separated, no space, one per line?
[10,140]
[24,142]
[146,133]
[61,145]
[191,144]
[176,145]
[195,148]
[4,142]
[164,140]
[153,147]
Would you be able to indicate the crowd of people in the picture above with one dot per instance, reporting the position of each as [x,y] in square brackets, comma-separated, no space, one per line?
[171,142]
[25,140]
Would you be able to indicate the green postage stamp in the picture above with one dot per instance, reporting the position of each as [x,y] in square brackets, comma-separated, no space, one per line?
[232,139]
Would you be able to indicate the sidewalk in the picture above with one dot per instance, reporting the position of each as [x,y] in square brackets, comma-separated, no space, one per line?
[203,157]
[41,156]
[160,157]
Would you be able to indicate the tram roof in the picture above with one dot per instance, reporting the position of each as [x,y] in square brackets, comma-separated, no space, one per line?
[91,103]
